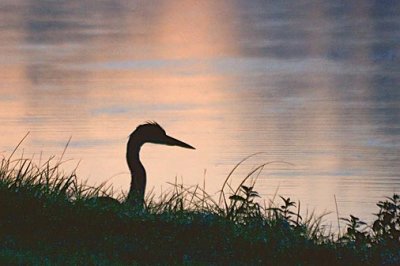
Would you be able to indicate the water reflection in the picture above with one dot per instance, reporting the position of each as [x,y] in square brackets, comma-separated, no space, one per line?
[314,85]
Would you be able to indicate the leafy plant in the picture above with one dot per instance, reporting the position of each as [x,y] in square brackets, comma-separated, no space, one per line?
[242,206]
[387,225]
[355,231]
[284,212]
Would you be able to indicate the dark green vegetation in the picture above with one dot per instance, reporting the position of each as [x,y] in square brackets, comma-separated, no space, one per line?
[48,217]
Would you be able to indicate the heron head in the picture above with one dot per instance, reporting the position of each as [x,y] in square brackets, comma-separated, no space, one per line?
[154,133]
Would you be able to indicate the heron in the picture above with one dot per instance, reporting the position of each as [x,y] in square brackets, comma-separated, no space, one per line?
[150,132]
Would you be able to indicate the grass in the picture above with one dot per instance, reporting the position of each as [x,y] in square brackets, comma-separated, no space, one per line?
[48,217]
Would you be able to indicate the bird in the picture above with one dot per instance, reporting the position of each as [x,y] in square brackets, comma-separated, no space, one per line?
[150,132]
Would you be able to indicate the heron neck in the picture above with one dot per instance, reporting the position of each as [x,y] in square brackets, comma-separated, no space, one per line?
[138,173]
[132,151]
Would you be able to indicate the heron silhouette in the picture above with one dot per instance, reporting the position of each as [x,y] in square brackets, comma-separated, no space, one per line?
[151,132]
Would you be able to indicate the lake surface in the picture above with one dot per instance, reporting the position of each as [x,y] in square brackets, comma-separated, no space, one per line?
[312,83]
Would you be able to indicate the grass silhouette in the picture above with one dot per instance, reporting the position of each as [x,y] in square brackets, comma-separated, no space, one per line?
[48,217]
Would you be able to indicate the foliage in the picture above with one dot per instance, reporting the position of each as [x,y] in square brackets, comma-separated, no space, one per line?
[354,232]
[49,217]
[242,206]
[386,228]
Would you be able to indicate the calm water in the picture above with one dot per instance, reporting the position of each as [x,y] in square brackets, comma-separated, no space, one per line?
[316,85]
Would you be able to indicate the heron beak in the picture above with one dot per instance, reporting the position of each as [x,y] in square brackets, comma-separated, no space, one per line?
[174,142]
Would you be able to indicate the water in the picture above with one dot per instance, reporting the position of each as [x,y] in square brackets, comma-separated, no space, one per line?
[315,85]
